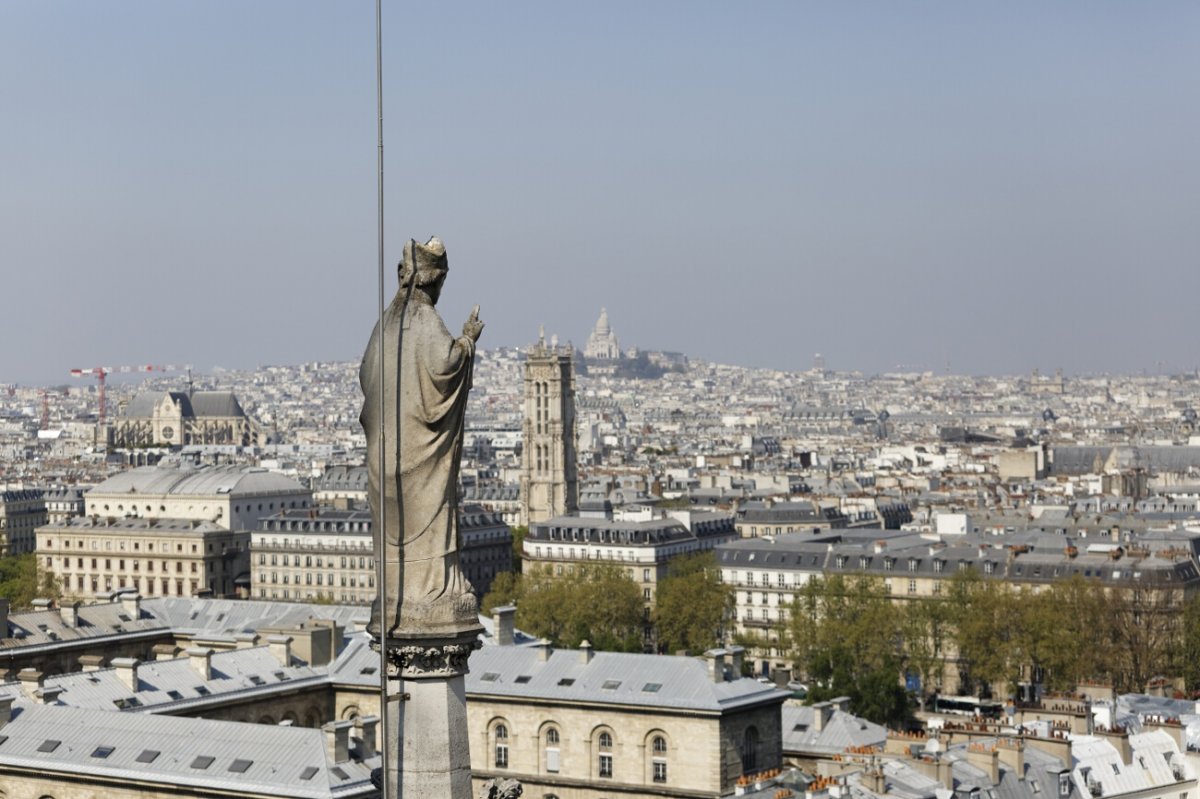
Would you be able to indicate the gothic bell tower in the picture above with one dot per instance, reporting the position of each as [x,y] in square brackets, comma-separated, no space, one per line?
[549,473]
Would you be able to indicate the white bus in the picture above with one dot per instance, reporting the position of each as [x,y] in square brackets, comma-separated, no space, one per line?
[968,706]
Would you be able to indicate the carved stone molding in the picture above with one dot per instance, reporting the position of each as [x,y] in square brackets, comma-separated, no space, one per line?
[501,789]
[415,659]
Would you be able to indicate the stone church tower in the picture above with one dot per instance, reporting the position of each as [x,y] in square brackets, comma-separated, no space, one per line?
[549,476]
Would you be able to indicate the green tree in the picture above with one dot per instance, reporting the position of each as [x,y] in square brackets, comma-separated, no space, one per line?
[844,634]
[691,604]
[518,547]
[22,581]
[598,603]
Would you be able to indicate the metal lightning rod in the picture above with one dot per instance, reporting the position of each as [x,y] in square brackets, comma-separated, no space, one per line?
[381,555]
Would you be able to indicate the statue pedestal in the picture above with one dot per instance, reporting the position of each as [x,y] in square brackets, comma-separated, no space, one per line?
[428,740]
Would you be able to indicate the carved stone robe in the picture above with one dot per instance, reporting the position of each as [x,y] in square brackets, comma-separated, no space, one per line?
[420,471]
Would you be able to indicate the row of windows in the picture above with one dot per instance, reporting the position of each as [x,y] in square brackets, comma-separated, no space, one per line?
[551,753]
[136,565]
[166,587]
[321,579]
[294,560]
[164,546]
[286,594]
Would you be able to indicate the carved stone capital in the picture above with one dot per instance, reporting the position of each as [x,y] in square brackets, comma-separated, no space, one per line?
[430,658]
[501,789]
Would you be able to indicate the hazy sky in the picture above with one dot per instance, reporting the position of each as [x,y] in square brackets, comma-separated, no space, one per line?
[996,186]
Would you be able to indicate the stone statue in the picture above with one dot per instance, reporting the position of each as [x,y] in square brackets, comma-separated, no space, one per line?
[425,381]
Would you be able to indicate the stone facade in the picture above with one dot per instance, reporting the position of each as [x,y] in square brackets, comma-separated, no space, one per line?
[154,557]
[21,513]
[174,418]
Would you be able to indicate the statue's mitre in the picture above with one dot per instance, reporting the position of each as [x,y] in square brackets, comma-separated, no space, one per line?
[430,260]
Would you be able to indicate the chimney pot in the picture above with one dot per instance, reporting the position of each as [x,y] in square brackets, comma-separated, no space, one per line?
[716,664]
[545,650]
[91,662]
[6,703]
[585,651]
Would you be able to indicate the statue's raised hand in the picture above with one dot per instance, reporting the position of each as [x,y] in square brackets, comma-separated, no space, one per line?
[473,327]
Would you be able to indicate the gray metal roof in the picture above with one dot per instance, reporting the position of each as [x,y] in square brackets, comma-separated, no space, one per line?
[278,756]
[198,481]
[199,404]
[683,683]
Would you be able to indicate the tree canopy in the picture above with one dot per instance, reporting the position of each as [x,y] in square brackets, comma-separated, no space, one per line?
[22,581]
[594,602]
[691,604]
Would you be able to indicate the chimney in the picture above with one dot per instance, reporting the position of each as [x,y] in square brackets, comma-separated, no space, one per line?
[337,741]
[945,773]
[736,655]
[31,680]
[281,648]
[502,624]
[246,640]
[42,603]
[127,671]
[585,652]
[822,711]
[782,677]
[131,602]
[201,660]
[3,617]
[48,694]
[366,726]
[165,651]
[544,650]
[874,781]
[716,664]
[986,759]
[6,703]
[1012,754]
[91,662]
[70,614]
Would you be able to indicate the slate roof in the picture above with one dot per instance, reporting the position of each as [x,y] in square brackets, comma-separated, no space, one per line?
[198,481]
[199,404]
[683,683]
[278,756]
[840,730]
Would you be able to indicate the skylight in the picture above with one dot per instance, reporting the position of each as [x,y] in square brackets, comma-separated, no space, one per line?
[490,676]
[103,751]
[49,746]
[611,685]
[309,772]
[200,689]
[202,762]
[524,678]
[174,694]
[337,772]
[254,678]
[651,687]
[566,682]
[240,766]
[148,756]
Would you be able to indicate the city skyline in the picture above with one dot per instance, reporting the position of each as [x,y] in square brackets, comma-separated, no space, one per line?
[995,190]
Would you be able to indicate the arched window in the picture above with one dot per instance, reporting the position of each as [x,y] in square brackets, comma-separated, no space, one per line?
[749,750]
[605,761]
[501,735]
[552,752]
[658,765]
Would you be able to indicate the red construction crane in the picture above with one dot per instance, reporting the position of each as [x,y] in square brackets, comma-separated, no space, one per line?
[102,372]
